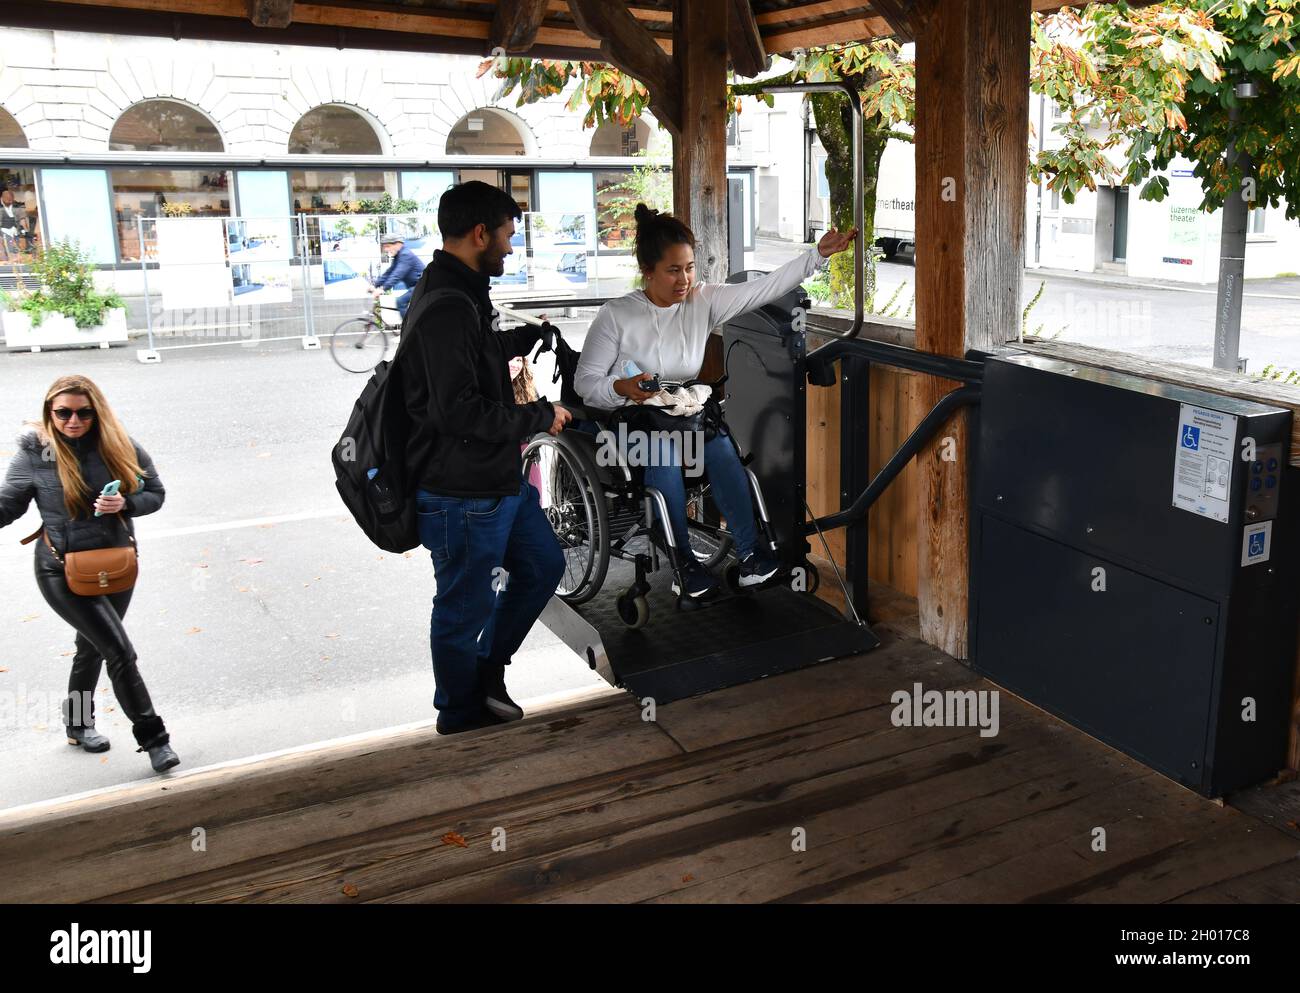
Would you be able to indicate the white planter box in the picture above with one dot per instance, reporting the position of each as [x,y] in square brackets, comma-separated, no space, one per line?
[56,330]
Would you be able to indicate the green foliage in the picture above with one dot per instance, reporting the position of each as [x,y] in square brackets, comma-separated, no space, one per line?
[650,182]
[1024,316]
[609,94]
[818,287]
[1272,373]
[388,204]
[1159,82]
[65,285]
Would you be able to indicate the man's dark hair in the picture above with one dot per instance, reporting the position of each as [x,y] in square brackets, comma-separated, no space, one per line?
[475,202]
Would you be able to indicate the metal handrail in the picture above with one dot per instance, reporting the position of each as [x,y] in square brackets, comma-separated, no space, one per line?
[964,396]
[855,102]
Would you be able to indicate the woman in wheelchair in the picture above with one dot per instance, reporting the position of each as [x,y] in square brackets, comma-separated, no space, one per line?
[662,330]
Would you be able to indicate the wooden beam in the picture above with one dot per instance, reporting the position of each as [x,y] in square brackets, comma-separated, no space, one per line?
[972,110]
[700,148]
[843,32]
[747,55]
[271,13]
[784,15]
[625,43]
[515,24]
[899,15]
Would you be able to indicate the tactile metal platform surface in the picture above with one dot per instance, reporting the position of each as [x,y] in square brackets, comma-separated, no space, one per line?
[681,653]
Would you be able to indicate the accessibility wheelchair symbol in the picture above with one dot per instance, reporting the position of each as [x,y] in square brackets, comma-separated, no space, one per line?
[1191,437]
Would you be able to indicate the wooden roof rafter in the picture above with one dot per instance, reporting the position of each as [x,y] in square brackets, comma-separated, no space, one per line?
[540,28]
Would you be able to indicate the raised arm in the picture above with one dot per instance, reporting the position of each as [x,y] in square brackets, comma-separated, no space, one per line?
[726,300]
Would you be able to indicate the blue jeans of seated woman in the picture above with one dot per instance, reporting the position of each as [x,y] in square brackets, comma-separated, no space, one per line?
[475,623]
[728,481]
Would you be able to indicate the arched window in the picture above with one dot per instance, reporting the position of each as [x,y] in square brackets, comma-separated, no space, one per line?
[164,126]
[611,138]
[334,130]
[11,133]
[486,132]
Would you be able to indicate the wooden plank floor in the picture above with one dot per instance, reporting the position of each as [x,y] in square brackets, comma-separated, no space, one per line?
[703,804]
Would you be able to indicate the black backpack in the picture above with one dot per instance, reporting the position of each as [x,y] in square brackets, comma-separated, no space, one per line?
[369,459]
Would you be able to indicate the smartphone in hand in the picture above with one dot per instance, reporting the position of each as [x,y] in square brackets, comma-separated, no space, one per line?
[110,489]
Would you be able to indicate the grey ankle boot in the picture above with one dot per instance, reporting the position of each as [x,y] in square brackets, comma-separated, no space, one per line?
[79,722]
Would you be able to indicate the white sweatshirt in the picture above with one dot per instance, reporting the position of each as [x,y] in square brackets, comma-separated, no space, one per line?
[670,340]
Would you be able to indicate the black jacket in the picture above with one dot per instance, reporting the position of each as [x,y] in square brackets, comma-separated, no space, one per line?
[466,428]
[31,476]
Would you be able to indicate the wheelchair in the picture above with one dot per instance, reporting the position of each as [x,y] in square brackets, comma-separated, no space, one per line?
[600,508]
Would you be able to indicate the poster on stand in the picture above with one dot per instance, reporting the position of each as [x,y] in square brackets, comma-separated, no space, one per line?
[349,249]
[558,244]
[192,262]
[256,283]
[259,239]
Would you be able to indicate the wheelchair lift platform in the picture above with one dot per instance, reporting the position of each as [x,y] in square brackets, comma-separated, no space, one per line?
[736,638]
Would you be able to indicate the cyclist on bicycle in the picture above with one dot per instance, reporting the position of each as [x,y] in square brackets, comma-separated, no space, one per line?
[404,272]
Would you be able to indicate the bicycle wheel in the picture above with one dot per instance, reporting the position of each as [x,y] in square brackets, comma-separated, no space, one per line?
[576,511]
[358,345]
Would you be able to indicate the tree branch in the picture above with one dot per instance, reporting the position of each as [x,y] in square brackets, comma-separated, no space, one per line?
[625,43]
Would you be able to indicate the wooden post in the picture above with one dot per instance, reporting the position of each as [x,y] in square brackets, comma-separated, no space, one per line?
[972,111]
[700,148]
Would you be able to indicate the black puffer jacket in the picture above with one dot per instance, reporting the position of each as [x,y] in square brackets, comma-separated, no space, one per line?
[465,425]
[31,476]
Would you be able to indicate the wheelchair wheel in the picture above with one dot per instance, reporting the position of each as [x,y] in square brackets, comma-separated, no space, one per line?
[709,542]
[573,503]
[633,610]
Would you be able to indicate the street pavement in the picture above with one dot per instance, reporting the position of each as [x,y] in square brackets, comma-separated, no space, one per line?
[263,618]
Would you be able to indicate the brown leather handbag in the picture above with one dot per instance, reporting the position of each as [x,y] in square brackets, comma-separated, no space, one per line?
[96,571]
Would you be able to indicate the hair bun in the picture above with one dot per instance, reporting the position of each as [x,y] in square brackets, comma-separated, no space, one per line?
[644,213]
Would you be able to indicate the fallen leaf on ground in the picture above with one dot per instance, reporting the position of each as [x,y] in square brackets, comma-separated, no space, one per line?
[335,635]
[687,878]
[452,838]
[194,630]
[251,561]
[104,760]
[30,617]
[349,889]
[1291,824]
[242,589]
[4,668]
[65,654]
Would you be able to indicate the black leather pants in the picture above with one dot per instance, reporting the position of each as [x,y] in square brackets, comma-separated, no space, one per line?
[101,638]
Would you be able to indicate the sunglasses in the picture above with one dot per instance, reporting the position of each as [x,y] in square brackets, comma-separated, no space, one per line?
[66,413]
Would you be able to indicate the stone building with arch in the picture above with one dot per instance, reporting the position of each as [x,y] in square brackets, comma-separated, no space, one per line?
[98,131]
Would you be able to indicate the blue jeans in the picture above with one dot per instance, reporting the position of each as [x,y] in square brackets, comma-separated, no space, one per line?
[473,626]
[728,481]
[404,301]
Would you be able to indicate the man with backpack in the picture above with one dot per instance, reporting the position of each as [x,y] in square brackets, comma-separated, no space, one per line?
[496,559]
